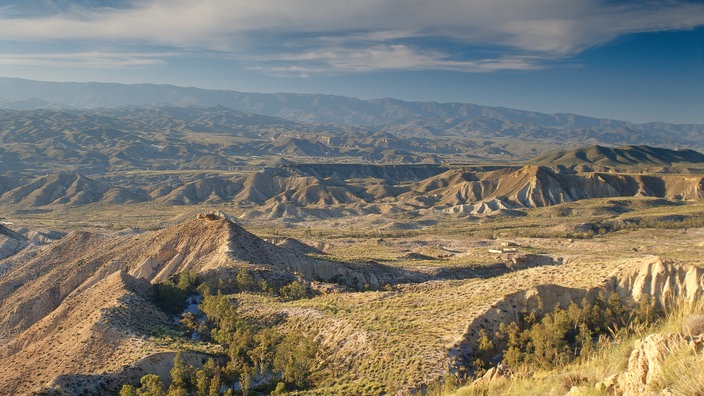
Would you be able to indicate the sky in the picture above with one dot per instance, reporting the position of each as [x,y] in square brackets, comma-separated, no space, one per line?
[629,60]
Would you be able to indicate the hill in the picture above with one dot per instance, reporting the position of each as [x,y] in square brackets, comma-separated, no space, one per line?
[292,194]
[400,118]
[94,330]
[68,189]
[620,157]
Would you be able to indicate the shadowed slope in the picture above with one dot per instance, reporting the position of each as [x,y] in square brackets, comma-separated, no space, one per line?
[622,156]
[97,331]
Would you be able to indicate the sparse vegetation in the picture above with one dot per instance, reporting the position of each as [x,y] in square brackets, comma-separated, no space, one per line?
[396,270]
[679,371]
[563,335]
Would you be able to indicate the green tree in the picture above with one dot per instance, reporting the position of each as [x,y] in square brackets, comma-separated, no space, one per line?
[262,354]
[280,390]
[246,375]
[128,390]
[180,376]
[584,339]
[188,282]
[222,312]
[293,291]
[151,386]
[245,281]
[215,383]
[295,358]
[548,344]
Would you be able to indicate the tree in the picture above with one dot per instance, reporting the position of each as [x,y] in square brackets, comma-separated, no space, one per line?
[263,353]
[585,340]
[246,379]
[293,291]
[280,390]
[151,386]
[241,342]
[245,281]
[295,357]
[128,390]
[203,378]
[180,376]
[215,383]
[188,281]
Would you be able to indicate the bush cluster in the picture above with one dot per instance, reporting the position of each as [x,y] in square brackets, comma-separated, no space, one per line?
[171,296]
[255,354]
[562,335]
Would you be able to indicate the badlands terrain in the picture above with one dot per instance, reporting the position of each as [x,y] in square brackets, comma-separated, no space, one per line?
[325,245]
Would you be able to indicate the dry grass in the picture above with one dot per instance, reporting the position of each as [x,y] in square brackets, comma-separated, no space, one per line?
[400,339]
[387,341]
[682,369]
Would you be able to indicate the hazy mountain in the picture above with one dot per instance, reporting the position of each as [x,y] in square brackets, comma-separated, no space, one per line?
[418,118]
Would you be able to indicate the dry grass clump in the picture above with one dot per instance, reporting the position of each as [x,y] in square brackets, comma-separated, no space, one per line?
[683,371]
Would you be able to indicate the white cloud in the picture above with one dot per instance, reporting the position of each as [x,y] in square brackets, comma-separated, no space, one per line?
[93,59]
[381,58]
[362,35]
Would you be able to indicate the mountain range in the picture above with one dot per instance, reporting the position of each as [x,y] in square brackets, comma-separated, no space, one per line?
[401,118]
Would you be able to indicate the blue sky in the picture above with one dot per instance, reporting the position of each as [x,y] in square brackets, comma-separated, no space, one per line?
[630,60]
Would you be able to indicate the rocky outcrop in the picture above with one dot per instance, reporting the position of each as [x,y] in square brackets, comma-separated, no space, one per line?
[665,281]
[646,370]
[645,365]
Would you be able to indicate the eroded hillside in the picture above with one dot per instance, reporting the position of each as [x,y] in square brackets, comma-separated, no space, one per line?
[86,301]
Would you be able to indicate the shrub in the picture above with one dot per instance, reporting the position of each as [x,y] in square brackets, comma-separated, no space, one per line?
[293,291]
[562,335]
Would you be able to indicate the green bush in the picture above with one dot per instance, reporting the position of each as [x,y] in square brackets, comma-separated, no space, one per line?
[293,291]
[560,336]
[171,297]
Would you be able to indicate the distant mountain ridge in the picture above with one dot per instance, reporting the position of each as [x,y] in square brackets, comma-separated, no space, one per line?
[622,156]
[396,116]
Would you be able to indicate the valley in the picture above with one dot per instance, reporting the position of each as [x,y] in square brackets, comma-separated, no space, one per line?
[382,248]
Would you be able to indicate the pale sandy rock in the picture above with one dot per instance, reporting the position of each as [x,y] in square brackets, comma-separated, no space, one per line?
[659,279]
[645,362]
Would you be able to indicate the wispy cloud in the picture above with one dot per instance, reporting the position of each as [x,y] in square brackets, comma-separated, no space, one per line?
[91,59]
[360,35]
[381,58]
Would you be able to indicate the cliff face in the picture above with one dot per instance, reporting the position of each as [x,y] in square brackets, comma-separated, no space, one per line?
[645,371]
[662,280]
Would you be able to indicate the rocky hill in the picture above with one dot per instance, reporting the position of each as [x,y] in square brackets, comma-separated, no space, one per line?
[300,192]
[68,189]
[622,157]
[94,291]
[292,125]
